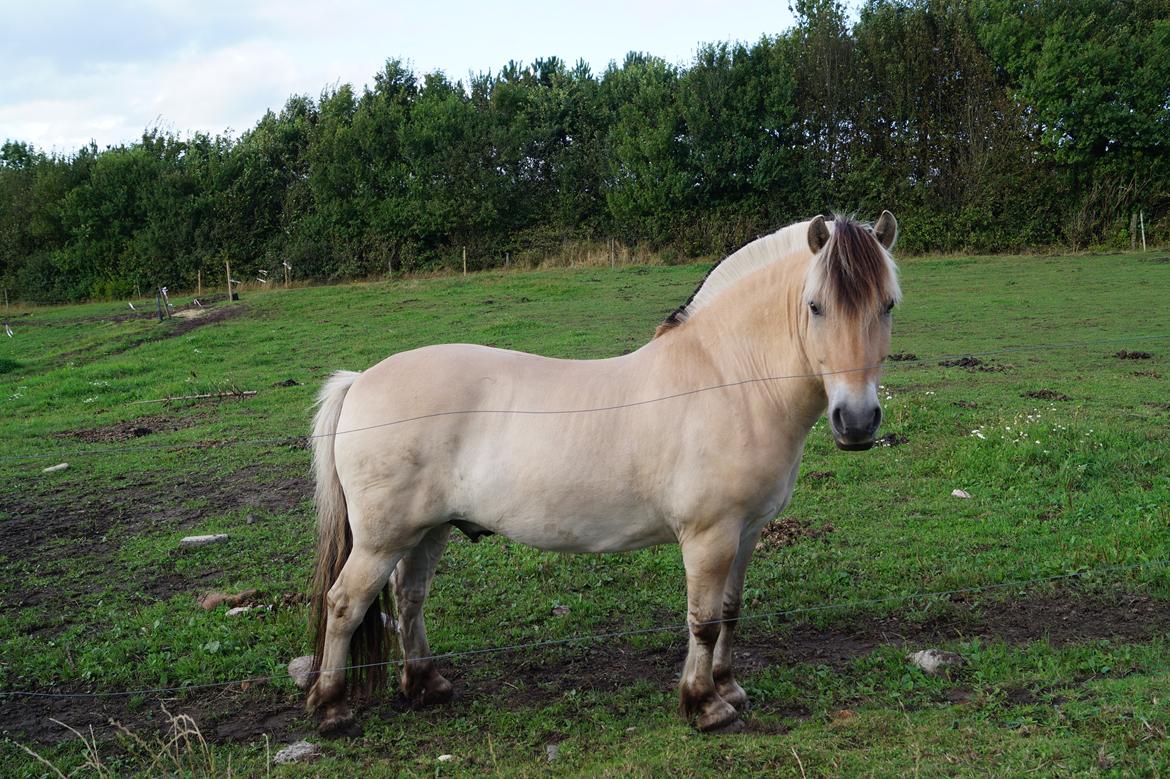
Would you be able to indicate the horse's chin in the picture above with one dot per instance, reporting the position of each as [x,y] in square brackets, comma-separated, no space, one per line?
[853,446]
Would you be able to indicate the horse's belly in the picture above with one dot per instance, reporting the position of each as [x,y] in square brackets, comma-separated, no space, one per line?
[603,526]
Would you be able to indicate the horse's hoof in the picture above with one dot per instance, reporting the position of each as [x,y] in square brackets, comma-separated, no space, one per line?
[339,721]
[717,715]
[735,726]
[429,688]
[733,694]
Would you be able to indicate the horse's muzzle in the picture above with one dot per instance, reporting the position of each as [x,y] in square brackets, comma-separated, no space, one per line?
[853,429]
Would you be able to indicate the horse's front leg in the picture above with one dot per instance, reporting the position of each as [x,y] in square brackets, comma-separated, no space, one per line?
[725,683]
[708,558]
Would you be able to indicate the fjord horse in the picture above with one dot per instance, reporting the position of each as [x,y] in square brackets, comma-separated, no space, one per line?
[695,439]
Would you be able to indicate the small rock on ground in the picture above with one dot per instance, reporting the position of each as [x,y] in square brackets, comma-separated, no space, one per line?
[55,468]
[960,494]
[191,542]
[301,671]
[551,752]
[297,753]
[934,661]
[446,758]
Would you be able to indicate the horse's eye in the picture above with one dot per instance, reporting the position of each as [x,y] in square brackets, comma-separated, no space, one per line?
[814,308]
[890,307]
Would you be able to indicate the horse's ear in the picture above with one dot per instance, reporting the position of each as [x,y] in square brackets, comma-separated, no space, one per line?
[886,230]
[818,233]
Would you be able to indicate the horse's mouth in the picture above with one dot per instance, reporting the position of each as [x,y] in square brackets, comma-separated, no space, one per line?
[853,446]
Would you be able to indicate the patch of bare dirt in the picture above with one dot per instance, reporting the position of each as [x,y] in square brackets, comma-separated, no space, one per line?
[892,439]
[1125,354]
[134,428]
[966,404]
[61,528]
[961,362]
[1148,374]
[786,531]
[1045,394]
[902,357]
[974,364]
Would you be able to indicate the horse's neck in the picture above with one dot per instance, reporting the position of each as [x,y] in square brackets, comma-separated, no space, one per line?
[752,332]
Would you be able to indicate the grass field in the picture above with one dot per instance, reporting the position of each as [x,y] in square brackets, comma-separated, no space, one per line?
[1060,443]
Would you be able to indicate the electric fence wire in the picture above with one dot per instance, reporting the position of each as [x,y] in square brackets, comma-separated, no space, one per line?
[301,440]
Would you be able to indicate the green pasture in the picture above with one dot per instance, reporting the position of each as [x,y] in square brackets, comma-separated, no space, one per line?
[1060,443]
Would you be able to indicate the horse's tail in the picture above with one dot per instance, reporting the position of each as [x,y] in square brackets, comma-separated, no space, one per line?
[369,644]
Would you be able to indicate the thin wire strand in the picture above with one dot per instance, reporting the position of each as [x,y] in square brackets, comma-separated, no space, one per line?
[614,634]
[292,440]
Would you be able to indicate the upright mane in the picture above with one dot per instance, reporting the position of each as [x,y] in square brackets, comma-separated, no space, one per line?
[855,271]
[736,266]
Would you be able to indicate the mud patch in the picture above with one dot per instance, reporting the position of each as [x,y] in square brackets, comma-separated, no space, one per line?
[974,364]
[961,362]
[1125,354]
[134,428]
[520,680]
[59,527]
[230,714]
[1045,394]
[892,439]
[787,531]
[902,357]
[1148,374]
[966,404]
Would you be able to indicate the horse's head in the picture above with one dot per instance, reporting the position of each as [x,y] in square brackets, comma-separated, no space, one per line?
[849,293]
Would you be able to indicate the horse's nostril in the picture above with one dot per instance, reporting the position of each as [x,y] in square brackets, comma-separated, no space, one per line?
[877,418]
[838,420]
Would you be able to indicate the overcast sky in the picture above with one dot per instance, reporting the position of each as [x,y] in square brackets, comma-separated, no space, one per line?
[75,71]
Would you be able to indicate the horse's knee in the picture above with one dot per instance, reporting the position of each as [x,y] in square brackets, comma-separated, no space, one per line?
[706,632]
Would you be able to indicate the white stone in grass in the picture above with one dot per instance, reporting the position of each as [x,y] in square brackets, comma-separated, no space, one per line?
[301,671]
[237,611]
[191,542]
[934,661]
[960,494]
[56,468]
[446,758]
[298,752]
[551,751]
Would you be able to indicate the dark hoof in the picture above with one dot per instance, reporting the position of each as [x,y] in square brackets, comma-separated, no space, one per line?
[717,716]
[428,688]
[338,721]
[735,726]
[735,695]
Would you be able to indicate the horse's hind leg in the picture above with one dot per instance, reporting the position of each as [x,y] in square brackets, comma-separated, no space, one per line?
[421,682]
[722,672]
[364,575]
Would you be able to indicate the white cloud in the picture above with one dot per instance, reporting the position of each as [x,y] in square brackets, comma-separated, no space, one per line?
[75,71]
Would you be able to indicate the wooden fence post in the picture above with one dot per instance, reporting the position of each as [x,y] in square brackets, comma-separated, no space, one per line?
[464,260]
[227,267]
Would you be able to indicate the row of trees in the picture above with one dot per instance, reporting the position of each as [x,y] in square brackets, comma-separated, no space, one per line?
[984,124]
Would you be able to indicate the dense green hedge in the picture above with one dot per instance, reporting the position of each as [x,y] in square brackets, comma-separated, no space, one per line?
[992,125]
